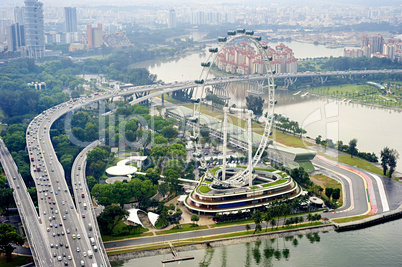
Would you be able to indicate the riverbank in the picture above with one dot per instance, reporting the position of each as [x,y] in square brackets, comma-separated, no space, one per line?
[164,248]
[219,242]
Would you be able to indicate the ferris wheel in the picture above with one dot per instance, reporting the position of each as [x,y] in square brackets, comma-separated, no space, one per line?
[245,175]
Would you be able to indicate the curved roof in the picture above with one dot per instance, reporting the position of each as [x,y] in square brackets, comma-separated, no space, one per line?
[121,170]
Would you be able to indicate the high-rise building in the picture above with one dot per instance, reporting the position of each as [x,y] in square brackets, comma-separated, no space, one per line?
[34,28]
[16,37]
[70,22]
[94,36]
[172,20]
[19,15]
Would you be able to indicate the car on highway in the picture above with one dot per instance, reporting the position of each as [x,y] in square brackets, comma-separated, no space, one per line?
[64,218]
[78,249]
[73,236]
[84,253]
[68,231]
[69,258]
[78,236]
[55,225]
[83,215]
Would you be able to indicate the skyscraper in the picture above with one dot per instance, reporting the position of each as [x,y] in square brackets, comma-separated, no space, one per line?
[19,15]
[34,28]
[15,37]
[172,21]
[70,16]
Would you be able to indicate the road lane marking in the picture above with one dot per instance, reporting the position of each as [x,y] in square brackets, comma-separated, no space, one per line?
[381,191]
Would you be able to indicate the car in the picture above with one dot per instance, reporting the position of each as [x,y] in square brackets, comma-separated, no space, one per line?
[78,236]
[59,258]
[84,253]
[68,231]
[55,225]
[56,246]
[73,236]
[66,245]
[50,225]
[57,181]
[58,233]
[83,215]
[65,263]
[69,258]
[54,234]
[44,213]
[78,249]
[62,233]
[54,255]
[71,207]
[66,211]
[82,263]
[51,245]
[48,229]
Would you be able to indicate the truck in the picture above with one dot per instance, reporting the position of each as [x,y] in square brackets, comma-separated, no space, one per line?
[90,254]
[38,167]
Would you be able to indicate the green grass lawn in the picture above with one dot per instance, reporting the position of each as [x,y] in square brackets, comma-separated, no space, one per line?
[351,219]
[361,163]
[275,183]
[138,232]
[327,182]
[204,189]
[185,228]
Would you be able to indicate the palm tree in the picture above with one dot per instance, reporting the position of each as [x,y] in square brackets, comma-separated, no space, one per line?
[267,218]
[273,223]
[310,217]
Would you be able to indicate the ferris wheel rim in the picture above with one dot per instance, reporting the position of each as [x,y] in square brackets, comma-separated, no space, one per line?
[271,102]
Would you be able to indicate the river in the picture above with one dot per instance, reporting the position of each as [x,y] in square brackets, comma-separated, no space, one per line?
[375,246]
[373,127]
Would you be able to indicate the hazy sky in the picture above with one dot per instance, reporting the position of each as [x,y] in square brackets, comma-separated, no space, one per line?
[176,2]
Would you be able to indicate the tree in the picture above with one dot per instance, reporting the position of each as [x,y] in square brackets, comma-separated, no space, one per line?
[310,217]
[393,157]
[352,147]
[110,217]
[8,238]
[169,132]
[195,218]
[255,103]
[385,160]
[318,140]
[336,193]
[389,158]
[257,217]
[91,182]
[6,198]
[273,223]
[329,192]
[267,218]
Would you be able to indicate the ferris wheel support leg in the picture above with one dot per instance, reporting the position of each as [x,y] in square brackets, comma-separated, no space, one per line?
[225,140]
[250,149]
